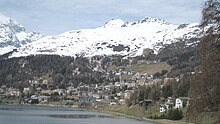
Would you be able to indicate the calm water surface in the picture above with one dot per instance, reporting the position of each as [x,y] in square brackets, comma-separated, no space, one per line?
[11,114]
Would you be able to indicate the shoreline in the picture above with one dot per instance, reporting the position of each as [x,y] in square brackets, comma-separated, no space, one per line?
[113,113]
[154,121]
[66,108]
[123,115]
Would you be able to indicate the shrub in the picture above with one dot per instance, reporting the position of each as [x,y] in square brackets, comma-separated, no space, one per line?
[174,114]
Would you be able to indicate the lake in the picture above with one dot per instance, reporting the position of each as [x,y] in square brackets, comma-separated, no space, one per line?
[13,114]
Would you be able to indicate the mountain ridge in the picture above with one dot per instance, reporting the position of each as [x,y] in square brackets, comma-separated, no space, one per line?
[13,35]
[116,37]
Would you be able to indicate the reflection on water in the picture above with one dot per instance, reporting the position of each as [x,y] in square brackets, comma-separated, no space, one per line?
[12,114]
[81,116]
[30,107]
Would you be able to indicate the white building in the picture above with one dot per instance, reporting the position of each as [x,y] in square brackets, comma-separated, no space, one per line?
[163,108]
[178,103]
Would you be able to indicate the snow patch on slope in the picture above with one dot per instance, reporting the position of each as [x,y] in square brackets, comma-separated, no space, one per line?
[115,37]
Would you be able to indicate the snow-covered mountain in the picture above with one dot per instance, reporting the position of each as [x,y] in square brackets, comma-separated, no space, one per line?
[13,35]
[115,37]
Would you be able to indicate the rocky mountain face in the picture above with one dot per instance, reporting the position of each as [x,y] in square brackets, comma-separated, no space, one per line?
[116,37]
[13,35]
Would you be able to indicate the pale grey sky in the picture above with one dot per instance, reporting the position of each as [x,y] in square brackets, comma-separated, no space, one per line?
[52,17]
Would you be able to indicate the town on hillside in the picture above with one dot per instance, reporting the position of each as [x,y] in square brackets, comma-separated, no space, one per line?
[87,95]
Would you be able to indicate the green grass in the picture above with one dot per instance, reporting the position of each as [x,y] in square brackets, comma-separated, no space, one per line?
[59,103]
[145,68]
[152,110]
[138,112]
[150,68]
[11,100]
[133,111]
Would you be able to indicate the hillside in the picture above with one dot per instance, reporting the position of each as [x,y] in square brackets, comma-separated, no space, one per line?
[146,46]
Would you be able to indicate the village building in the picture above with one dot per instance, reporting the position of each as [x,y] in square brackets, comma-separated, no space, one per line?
[178,103]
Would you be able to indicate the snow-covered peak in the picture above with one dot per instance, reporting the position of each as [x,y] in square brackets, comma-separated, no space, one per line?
[4,19]
[145,22]
[13,35]
[114,23]
[152,20]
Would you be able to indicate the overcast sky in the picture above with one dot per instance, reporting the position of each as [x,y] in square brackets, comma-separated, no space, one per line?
[52,17]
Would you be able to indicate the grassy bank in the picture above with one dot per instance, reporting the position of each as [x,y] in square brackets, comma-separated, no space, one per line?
[12,100]
[137,112]
[144,67]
